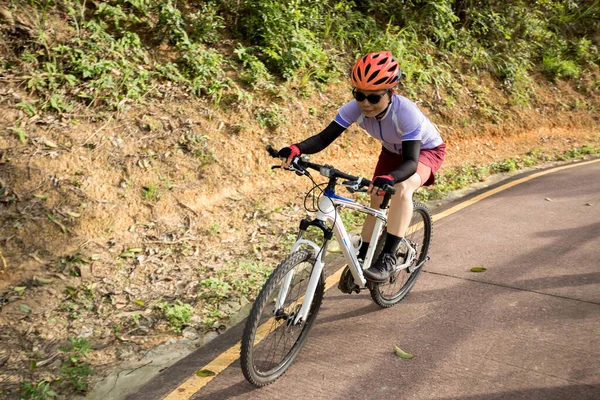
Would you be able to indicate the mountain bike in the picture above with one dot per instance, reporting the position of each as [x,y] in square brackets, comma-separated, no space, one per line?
[287,306]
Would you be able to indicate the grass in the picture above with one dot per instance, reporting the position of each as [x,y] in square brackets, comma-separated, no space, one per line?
[150,192]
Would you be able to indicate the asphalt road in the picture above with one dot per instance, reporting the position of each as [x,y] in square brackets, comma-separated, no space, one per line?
[526,328]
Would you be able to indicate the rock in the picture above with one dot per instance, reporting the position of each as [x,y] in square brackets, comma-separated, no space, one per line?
[190,333]
[86,332]
[244,301]
[56,364]
[196,320]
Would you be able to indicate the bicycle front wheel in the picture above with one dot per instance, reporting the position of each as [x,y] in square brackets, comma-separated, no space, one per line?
[418,236]
[272,339]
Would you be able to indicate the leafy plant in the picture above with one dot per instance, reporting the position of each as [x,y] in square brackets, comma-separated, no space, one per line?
[197,146]
[255,72]
[178,314]
[75,370]
[215,289]
[39,391]
[271,117]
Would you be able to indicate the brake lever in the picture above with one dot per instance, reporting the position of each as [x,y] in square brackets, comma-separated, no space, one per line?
[354,186]
[293,167]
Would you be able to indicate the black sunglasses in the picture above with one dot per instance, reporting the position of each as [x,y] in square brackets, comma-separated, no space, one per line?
[372,98]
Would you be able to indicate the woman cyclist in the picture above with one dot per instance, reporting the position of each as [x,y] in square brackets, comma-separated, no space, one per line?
[412,149]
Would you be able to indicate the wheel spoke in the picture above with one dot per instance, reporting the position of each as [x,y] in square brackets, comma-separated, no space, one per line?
[278,340]
[418,236]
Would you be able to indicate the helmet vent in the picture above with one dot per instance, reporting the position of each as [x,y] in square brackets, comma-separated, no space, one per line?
[373,76]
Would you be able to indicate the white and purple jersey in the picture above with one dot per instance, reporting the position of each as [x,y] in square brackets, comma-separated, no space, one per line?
[402,121]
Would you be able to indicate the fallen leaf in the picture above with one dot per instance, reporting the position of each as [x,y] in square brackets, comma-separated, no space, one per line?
[40,196]
[478,269]
[127,254]
[204,373]
[50,144]
[73,214]
[24,308]
[71,291]
[401,353]
[135,250]
[43,281]
[7,16]
[20,290]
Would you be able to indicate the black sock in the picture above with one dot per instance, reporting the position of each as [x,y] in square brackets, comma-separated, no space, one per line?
[391,244]
[362,252]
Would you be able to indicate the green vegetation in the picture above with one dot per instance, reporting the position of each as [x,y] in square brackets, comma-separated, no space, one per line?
[178,314]
[39,391]
[110,53]
[150,192]
[236,281]
[242,278]
[75,370]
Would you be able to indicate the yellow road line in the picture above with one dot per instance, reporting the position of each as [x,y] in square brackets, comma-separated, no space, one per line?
[188,388]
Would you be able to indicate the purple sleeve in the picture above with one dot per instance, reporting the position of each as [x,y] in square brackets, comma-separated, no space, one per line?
[348,114]
[411,122]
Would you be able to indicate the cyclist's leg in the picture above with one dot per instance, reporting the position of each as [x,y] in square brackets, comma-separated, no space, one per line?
[401,206]
[367,229]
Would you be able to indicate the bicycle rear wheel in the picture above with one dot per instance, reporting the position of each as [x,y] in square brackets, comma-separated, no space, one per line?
[271,339]
[418,236]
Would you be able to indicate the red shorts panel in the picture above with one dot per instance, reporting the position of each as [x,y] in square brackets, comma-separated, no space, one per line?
[430,161]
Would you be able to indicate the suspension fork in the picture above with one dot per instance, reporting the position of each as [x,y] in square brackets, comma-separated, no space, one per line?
[316,272]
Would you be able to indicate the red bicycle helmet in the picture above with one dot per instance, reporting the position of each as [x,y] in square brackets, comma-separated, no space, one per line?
[376,71]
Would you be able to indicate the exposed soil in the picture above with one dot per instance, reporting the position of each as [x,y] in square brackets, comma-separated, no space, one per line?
[104,216]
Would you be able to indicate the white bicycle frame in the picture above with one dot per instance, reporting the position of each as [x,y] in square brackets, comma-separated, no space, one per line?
[327,211]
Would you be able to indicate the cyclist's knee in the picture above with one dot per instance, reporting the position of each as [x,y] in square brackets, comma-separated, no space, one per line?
[408,187]
[404,189]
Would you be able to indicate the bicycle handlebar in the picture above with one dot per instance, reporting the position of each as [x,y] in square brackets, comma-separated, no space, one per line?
[300,164]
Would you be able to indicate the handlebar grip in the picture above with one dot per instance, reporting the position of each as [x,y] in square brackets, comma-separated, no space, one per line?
[389,189]
[272,152]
